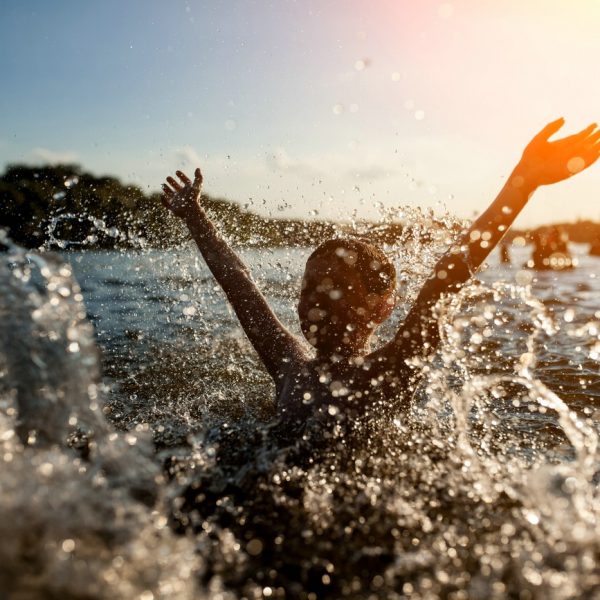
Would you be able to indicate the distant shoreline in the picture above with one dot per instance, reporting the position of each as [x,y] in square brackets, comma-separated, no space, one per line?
[50,206]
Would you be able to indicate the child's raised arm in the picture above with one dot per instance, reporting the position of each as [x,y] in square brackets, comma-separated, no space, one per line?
[543,162]
[275,345]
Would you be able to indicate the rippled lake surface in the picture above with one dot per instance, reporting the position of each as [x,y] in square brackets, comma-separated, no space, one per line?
[175,484]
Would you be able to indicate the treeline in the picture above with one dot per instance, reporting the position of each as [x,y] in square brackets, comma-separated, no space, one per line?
[64,206]
[581,232]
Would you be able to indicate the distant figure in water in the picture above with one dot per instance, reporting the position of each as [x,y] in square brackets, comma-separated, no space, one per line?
[348,290]
[595,248]
[551,250]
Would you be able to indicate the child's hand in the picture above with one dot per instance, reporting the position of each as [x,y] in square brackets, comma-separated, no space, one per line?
[546,162]
[182,200]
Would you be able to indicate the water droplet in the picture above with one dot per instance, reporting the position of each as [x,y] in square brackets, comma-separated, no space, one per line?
[71,181]
[46,469]
[523,277]
[254,547]
[532,517]
[576,164]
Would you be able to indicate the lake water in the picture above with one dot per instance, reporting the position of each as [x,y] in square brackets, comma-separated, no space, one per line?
[488,489]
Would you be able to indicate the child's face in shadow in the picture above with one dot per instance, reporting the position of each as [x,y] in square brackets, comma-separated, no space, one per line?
[337,313]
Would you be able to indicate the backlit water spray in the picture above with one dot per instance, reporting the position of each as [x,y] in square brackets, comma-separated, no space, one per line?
[140,458]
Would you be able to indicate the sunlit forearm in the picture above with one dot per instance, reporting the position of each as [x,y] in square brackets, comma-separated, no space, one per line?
[274,344]
[487,231]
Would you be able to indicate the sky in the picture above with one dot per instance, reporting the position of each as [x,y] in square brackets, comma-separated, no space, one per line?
[328,108]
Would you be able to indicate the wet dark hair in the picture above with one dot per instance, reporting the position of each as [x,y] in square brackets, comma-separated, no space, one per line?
[370,262]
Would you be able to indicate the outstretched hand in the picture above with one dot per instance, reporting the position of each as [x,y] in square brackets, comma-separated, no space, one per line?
[182,198]
[545,162]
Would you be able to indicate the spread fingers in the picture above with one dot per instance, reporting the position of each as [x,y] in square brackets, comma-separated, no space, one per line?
[173,183]
[184,178]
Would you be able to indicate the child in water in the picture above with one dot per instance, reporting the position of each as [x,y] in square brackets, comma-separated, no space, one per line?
[348,290]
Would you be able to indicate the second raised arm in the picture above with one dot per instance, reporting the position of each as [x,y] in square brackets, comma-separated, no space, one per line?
[274,344]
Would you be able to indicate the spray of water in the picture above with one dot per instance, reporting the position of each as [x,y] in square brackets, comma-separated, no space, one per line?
[486,489]
[81,505]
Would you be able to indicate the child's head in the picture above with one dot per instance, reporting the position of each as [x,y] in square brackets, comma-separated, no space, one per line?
[347,290]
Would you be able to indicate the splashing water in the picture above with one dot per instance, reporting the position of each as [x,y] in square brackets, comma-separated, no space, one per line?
[97,227]
[80,503]
[487,489]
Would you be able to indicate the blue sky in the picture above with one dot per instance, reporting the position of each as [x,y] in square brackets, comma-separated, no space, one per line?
[289,107]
